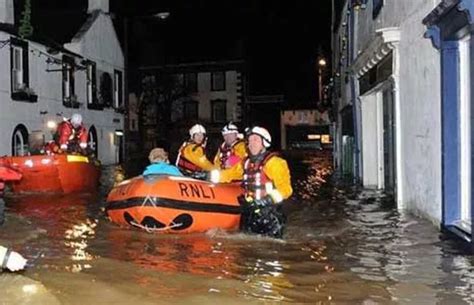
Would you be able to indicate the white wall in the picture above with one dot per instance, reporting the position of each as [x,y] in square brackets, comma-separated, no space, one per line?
[419,104]
[420,96]
[99,45]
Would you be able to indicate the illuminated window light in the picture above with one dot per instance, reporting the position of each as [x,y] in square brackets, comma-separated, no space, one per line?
[314,137]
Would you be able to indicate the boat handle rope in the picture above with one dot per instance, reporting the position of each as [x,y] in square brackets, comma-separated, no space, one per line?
[150,230]
[152,200]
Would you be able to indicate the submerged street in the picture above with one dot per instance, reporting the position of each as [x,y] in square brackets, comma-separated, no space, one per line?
[341,246]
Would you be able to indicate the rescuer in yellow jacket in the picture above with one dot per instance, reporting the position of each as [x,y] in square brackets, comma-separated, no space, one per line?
[266,181]
[233,150]
[192,157]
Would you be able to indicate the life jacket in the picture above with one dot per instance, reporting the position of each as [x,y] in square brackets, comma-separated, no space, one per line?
[226,152]
[255,182]
[184,164]
[67,134]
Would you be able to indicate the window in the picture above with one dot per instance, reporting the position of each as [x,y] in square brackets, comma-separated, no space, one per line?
[376,7]
[69,98]
[218,81]
[190,110]
[219,111]
[190,82]
[105,91]
[92,102]
[20,89]
[118,89]
[17,68]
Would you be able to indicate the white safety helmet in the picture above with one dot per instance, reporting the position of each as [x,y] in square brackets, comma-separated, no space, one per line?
[229,128]
[76,120]
[198,128]
[263,133]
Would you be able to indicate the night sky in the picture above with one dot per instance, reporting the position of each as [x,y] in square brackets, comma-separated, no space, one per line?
[279,40]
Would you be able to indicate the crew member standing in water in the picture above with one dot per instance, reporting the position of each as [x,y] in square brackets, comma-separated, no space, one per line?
[266,181]
[192,158]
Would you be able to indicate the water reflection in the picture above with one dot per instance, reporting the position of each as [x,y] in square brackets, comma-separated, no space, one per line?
[342,246]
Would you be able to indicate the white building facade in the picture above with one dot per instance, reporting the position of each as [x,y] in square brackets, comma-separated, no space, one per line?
[394,98]
[410,100]
[43,82]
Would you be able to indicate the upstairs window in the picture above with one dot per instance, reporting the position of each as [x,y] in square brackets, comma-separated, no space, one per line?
[118,89]
[219,111]
[190,110]
[20,88]
[218,81]
[376,7]
[190,82]
[91,89]
[17,69]
[69,97]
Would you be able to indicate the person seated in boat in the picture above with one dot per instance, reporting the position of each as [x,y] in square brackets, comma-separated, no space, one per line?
[11,260]
[192,159]
[232,150]
[266,182]
[160,164]
[71,136]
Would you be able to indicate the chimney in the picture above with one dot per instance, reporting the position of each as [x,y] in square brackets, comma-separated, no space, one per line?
[94,5]
[7,15]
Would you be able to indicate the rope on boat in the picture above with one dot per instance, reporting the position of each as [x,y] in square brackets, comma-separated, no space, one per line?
[152,201]
[150,230]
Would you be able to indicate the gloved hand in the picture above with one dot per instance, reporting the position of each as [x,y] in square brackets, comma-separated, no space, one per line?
[263,202]
[201,175]
[243,200]
[13,261]
[63,147]
[83,145]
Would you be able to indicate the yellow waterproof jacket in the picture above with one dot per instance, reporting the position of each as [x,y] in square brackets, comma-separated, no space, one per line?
[238,150]
[193,158]
[276,169]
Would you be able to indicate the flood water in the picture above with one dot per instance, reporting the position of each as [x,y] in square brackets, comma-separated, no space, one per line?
[341,246]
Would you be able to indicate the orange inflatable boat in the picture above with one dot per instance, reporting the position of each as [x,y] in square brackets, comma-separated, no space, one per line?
[54,173]
[174,204]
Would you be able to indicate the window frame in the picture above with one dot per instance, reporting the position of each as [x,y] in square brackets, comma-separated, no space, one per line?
[214,86]
[376,8]
[187,104]
[18,92]
[91,86]
[118,90]
[186,82]
[215,103]
[68,83]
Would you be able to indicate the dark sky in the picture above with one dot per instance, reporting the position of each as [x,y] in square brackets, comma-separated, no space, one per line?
[279,40]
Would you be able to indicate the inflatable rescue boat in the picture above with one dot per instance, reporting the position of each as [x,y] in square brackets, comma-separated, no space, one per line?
[54,173]
[174,204]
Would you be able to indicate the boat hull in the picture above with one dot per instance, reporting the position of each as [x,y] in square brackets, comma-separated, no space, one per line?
[54,174]
[175,204]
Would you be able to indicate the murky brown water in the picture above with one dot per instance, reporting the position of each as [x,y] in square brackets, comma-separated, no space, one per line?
[340,248]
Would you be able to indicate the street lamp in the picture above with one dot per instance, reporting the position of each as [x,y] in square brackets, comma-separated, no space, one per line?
[321,65]
[126,131]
